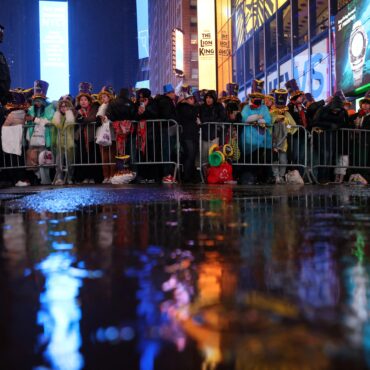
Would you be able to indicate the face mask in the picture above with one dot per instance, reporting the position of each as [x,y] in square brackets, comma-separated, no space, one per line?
[257,101]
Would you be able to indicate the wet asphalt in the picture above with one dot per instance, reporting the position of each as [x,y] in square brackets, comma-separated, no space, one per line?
[198,277]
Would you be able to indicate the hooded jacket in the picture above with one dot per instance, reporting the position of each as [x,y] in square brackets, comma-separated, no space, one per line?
[65,123]
[211,113]
[120,109]
[332,116]
[188,115]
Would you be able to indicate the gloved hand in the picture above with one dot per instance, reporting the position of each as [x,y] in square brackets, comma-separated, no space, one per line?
[79,118]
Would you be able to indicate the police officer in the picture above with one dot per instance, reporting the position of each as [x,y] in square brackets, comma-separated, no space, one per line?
[4,78]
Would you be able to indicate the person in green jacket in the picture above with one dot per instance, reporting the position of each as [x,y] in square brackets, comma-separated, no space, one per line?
[64,120]
[40,133]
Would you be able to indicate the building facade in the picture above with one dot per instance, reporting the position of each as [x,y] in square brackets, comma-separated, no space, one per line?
[277,40]
[165,16]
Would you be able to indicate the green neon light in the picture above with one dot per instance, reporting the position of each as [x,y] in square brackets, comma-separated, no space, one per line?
[359,248]
[362,89]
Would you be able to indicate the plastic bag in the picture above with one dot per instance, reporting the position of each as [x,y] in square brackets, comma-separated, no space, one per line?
[38,135]
[220,174]
[46,158]
[103,135]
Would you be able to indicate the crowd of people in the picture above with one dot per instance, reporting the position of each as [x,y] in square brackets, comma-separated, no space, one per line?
[279,116]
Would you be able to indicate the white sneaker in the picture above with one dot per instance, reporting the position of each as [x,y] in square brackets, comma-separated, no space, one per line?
[91,181]
[22,183]
[86,181]
[106,181]
[59,182]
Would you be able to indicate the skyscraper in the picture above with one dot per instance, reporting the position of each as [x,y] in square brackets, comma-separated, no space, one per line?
[165,16]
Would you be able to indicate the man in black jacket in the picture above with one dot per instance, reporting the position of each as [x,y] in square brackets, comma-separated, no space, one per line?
[188,116]
[330,119]
[4,79]
[148,132]
[167,112]
[121,108]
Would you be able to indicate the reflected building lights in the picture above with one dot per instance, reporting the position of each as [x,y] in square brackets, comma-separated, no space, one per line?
[60,314]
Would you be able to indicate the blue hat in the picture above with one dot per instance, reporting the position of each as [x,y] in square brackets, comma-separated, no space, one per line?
[168,89]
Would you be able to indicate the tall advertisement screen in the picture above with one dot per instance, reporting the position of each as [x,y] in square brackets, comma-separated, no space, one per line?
[352,45]
[178,52]
[142,28]
[207,44]
[54,51]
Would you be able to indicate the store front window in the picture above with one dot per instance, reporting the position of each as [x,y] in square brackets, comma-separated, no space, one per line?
[300,23]
[284,31]
[271,42]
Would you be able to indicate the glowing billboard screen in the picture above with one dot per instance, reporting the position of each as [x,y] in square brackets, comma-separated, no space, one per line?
[178,52]
[207,44]
[353,45]
[54,50]
[142,28]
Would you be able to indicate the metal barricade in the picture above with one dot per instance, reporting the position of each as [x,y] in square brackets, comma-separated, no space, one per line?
[255,145]
[27,146]
[150,142]
[339,150]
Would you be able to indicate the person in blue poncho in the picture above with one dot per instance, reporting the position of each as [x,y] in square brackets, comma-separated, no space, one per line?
[255,140]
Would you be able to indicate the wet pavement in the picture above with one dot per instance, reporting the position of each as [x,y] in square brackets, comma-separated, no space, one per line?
[201,277]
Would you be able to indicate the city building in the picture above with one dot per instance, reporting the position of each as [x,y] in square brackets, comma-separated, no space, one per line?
[277,40]
[173,56]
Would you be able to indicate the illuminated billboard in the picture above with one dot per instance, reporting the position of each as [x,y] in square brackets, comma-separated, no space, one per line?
[352,45]
[224,43]
[54,50]
[207,44]
[178,52]
[142,28]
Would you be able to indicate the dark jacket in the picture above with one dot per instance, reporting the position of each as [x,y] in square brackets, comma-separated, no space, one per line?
[293,110]
[121,109]
[187,118]
[166,107]
[88,123]
[311,111]
[332,116]
[211,113]
[364,120]
[4,79]
[151,111]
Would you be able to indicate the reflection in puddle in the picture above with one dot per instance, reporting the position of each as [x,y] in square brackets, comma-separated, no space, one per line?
[202,279]
[60,314]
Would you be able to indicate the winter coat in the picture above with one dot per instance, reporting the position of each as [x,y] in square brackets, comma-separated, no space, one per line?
[327,119]
[187,116]
[45,118]
[120,109]
[150,113]
[311,111]
[333,117]
[281,129]
[211,113]
[66,125]
[294,112]
[166,107]
[88,122]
